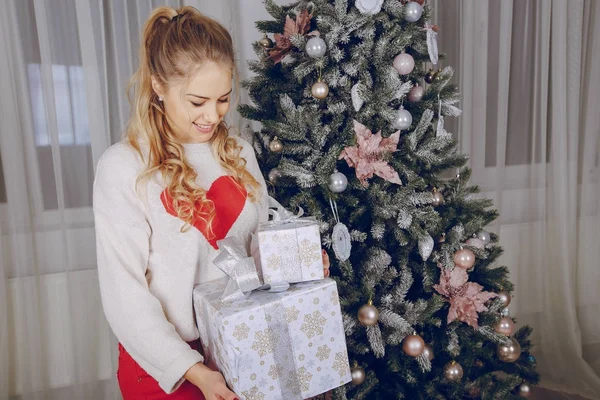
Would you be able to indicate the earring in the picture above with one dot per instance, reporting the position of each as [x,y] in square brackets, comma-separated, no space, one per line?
[160,98]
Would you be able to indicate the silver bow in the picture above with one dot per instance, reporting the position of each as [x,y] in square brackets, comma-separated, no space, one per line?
[280,214]
[234,261]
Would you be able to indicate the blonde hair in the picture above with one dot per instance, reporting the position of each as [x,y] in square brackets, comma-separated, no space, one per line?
[174,44]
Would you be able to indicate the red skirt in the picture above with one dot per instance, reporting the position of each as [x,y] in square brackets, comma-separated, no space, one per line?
[136,384]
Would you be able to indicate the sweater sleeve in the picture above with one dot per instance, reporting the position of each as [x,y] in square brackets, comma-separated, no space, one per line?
[252,166]
[122,242]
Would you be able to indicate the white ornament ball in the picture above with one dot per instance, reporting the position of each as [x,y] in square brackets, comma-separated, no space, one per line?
[524,390]
[476,243]
[416,93]
[412,11]
[316,47]
[338,182]
[403,119]
[484,236]
[404,63]
[369,7]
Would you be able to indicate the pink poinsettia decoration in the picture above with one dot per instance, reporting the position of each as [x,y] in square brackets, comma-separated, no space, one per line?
[283,45]
[368,156]
[466,298]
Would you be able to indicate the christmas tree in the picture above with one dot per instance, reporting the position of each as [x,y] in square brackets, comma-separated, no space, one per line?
[352,131]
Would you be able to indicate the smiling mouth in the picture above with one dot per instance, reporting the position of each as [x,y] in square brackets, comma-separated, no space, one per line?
[204,128]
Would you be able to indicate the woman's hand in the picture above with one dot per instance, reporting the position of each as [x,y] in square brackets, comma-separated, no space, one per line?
[211,383]
[325,263]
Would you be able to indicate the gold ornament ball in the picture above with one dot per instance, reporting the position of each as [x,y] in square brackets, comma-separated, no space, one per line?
[265,42]
[453,371]
[358,375]
[368,315]
[274,176]
[319,90]
[478,363]
[276,146]
[524,390]
[509,352]
[504,297]
[413,345]
[505,326]
[441,238]
[428,352]
[464,258]
[438,198]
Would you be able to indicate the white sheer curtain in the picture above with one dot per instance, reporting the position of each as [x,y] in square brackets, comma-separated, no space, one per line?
[528,72]
[63,75]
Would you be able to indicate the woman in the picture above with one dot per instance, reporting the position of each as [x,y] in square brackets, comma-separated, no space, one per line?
[164,196]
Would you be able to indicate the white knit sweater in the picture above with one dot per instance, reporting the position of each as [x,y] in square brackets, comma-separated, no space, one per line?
[147,267]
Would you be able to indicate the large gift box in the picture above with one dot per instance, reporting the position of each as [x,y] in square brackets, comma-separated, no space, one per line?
[288,248]
[274,346]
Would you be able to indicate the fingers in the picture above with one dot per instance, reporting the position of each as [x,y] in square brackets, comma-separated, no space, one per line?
[227,394]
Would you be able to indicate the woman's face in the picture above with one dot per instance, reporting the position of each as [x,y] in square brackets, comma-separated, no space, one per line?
[195,108]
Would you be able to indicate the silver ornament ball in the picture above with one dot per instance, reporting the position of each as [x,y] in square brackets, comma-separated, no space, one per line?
[403,119]
[404,63]
[319,90]
[276,146]
[464,258]
[504,297]
[416,93]
[524,390]
[338,182]
[274,176]
[453,371]
[509,352]
[413,345]
[358,375]
[315,47]
[368,315]
[484,236]
[413,11]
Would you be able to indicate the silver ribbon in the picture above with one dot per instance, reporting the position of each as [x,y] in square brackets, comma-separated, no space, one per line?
[283,352]
[281,216]
[234,261]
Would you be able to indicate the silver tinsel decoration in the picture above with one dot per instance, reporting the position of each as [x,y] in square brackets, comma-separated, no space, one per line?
[357,101]
[376,340]
[453,347]
[425,247]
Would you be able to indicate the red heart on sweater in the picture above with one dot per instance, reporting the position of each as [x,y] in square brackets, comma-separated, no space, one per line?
[228,198]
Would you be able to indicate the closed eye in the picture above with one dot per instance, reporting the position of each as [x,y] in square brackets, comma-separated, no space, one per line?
[223,101]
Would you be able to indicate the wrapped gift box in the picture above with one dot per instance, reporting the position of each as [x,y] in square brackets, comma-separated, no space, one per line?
[289,251]
[275,346]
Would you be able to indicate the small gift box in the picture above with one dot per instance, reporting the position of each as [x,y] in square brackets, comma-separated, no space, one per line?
[277,346]
[288,248]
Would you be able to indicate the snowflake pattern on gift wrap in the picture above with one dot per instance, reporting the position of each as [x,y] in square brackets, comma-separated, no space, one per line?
[323,352]
[341,363]
[273,262]
[246,363]
[327,381]
[334,299]
[263,382]
[241,332]
[313,324]
[291,314]
[309,252]
[262,342]
[274,371]
[310,363]
[304,378]
[325,307]
[253,394]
